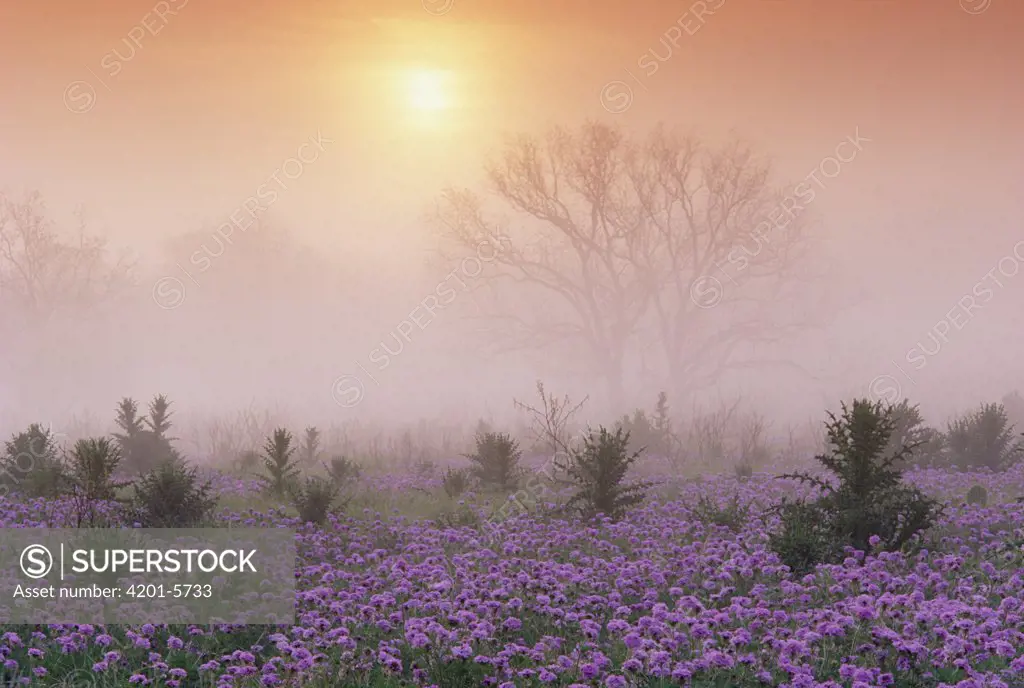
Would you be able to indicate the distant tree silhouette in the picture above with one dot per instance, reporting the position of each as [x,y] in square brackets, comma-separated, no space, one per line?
[617,239]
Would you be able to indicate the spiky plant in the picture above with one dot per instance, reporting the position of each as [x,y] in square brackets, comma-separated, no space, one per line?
[315,499]
[343,471]
[734,514]
[172,496]
[31,465]
[598,470]
[142,441]
[977,495]
[865,497]
[496,461]
[159,420]
[310,449]
[455,482]
[129,420]
[909,430]
[983,439]
[92,464]
[280,471]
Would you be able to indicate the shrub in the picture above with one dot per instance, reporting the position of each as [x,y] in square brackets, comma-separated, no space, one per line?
[496,461]
[248,461]
[144,449]
[866,499]
[734,515]
[128,419]
[744,469]
[455,482]
[309,452]
[315,499]
[909,430]
[159,420]
[982,439]
[281,472]
[92,464]
[171,496]
[343,471]
[598,470]
[91,467]
[805,537]
[977,495]
[640,430]
[31,466]
[462,517]
[1013,403]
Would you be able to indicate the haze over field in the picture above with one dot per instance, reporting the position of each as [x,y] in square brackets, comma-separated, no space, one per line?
[879,252]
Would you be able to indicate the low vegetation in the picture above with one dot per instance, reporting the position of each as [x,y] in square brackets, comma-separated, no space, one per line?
[591,533]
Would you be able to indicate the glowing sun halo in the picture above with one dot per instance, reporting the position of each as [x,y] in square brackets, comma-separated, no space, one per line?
[427,90]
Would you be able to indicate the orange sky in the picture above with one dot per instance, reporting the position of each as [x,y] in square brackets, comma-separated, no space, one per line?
[224,90]
[207,108]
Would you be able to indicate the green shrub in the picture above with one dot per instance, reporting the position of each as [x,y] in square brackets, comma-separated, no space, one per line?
[743,469]
[462,517]
[648,433]
[315,499]
[31,465]
[734,515]
[309,452]
[159,420]
[281,472]
[805,537]
[145,451]
[128,419]
[172,496]
[455,482]
[343,471]
[982,439]
[909,430]
[143,442]
[598,470]
[91,466]
[977,495]
[1013,403]
[865,499]
[496,461]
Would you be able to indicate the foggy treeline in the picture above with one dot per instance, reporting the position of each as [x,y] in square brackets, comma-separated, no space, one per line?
[607,263]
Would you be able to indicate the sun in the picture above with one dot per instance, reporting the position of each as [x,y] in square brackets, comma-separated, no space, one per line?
[427,90]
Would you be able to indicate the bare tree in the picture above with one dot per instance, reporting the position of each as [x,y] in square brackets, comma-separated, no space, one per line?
[44,275]
[577,260]
[728,252]
[616,232]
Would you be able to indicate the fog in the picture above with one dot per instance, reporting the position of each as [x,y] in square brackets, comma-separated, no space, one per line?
[253,209]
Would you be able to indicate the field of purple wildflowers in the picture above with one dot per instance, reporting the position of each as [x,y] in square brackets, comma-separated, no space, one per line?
[661,598]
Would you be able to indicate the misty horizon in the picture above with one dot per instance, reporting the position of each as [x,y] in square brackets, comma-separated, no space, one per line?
[280,197]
